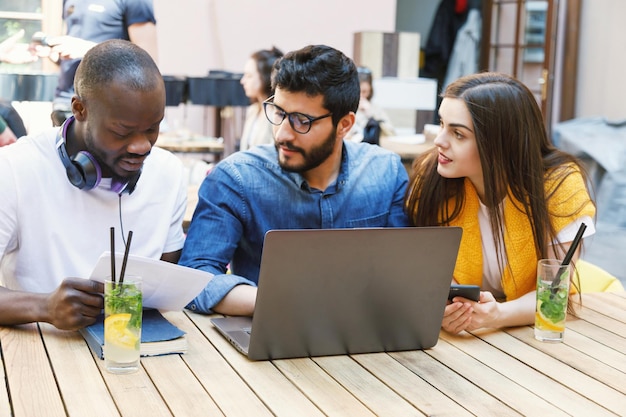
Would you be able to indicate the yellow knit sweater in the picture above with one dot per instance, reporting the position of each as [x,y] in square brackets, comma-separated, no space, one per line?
[518,237]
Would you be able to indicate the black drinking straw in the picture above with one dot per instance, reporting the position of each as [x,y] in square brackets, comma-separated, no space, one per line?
[113,255]
[568,256]
[130,236]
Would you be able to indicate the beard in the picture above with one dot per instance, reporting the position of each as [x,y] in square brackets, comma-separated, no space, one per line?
[101,157]
[313,158]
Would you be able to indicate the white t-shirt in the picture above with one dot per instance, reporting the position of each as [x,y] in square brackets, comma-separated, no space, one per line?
[50,230]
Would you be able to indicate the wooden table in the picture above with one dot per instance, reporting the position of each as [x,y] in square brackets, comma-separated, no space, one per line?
[209,146]
[408,147]
[48,372]
[192,201]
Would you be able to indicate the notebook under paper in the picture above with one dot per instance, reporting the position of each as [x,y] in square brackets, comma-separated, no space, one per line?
[339,291]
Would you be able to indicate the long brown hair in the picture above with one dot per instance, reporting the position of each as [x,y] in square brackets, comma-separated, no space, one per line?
[516,158]
[265,59]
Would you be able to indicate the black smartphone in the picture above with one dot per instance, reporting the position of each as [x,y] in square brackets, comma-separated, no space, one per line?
[471,292]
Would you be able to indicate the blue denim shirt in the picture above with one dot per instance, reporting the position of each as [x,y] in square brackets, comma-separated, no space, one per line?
[248,193]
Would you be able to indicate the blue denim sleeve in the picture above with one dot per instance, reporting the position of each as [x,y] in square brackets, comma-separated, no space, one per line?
[397,215]
[215,290]
[213,235]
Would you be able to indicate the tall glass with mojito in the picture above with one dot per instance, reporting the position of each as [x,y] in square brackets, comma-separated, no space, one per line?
[553,282]
[122,325]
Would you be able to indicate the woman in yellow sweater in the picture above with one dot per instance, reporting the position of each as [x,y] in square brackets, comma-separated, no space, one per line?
[495,173]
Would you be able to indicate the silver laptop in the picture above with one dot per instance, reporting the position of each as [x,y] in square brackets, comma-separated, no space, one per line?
[342,291]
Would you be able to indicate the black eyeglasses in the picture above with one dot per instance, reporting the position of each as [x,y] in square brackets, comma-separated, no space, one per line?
[299,122]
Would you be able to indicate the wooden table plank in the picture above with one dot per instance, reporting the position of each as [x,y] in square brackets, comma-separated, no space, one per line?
[178,386]
[5,404]
[410,386]
[601,320]
[497,354]
[492,370]
[278,394]
[367,388]
[50,372]
[80,384]
[32,387]
[446,380]
[176,382]
[321,388]
[407,151]
[134,394]
[206,145]
[621,294]
[607,303]
[596,398]
[586,364]
[192,202]
[591,347]
[225,386]
[600,335]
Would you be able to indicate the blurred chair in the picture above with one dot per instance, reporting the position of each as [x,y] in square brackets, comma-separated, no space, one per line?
[595,279]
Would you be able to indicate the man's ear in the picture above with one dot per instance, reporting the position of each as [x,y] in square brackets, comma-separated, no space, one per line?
[345,124]
[79,109]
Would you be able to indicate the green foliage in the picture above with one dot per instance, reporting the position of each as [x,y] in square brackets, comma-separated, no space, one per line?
[125,298]
[553,306]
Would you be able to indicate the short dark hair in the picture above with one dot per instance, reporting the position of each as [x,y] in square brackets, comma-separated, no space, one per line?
[320,69]
[116,59]
[265,59]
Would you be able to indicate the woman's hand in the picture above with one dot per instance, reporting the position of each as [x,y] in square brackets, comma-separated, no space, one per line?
[485,313]
[463,314]
[457,315]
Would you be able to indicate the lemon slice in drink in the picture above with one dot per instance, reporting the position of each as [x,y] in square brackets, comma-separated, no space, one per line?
[546,323]
[117,333]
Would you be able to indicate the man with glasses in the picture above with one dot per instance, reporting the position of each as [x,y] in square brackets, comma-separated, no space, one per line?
[310,178]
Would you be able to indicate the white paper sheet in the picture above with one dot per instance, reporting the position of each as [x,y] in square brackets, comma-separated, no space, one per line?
[165,286]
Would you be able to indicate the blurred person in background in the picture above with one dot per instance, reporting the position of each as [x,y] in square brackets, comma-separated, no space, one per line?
[256,82]
[87,24]
[13,52]
[371,120]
